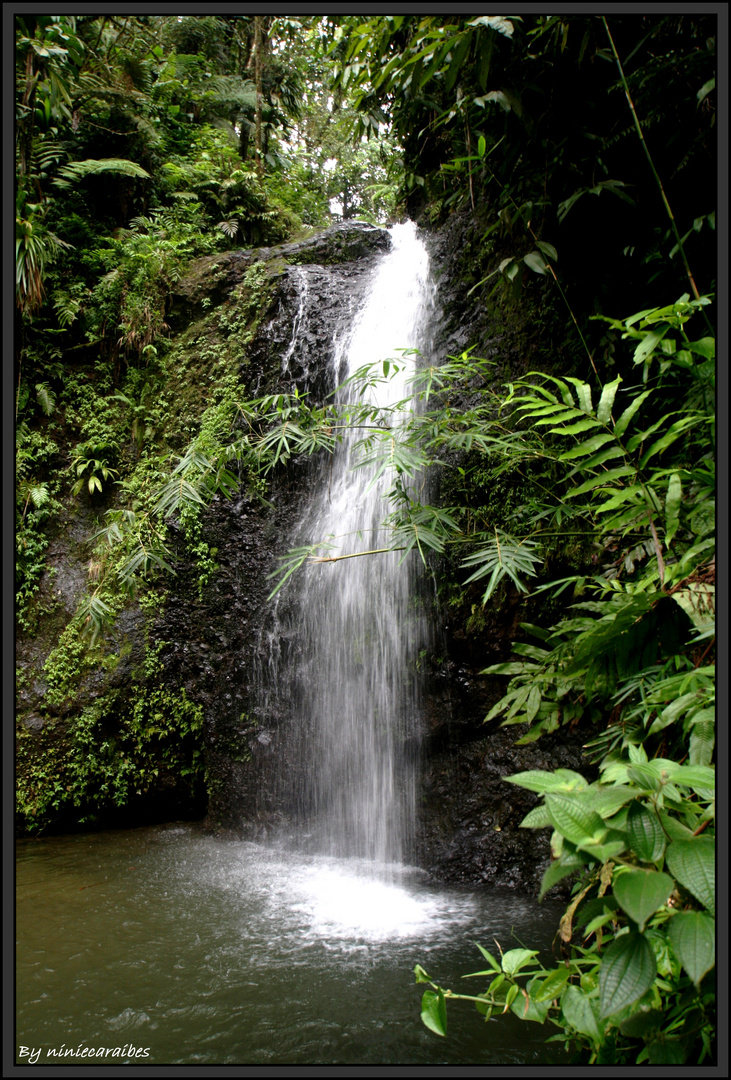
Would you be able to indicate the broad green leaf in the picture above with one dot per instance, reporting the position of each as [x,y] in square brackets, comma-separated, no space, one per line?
[514,960]
[672,508]
[528,1008]
[608,915]
[692,935]
[697,601]
[434,1011]
[614,843]
[628,971]
[604,408]
[641,892]
[552,986]
[537,780]
[645,833]
[705,347]
[573,781]
[421,975]
[556,872]
[666,1051]
[537,818]
[673,711]
[580,1012]
[693,863]
[702,742]
[675,828]
[607,800]
[574,821]
[547,249]
[641,1023]
[645,776]
[532,651]
[697,777]
[536,262]
[637,754]
[706,89]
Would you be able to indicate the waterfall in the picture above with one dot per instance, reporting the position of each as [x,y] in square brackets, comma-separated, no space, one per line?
[355,627]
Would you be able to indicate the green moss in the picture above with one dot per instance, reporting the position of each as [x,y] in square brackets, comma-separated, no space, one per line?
[118,747]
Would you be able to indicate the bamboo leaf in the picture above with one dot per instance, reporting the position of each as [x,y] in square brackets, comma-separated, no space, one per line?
[623,423]
[604,409]
[672,508]
[599,481]
[575,429]
[649,343]
[670,436]
[586,448]
[583,393]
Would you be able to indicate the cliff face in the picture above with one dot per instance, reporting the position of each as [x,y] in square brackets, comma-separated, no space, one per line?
[191,657]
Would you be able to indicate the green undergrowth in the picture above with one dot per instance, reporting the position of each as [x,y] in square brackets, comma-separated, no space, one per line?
[122,746]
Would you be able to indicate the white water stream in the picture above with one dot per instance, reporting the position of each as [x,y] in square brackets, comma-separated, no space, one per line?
[357,622]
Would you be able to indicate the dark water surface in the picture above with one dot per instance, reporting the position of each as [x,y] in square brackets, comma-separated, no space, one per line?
[216,951]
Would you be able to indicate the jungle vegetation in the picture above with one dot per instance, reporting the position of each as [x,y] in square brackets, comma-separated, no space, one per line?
[585,148]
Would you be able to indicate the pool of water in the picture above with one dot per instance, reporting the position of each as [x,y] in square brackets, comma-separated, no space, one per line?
[212,951]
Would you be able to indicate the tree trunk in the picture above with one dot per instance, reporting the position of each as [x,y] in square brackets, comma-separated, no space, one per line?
[257,78]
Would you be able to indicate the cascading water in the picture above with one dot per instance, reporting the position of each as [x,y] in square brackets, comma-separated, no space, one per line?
[352,678]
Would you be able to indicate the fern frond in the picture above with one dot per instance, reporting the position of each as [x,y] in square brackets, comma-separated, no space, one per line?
[71,174]
[46,398]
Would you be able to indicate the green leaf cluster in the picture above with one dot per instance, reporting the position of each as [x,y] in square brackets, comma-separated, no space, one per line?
[633,654]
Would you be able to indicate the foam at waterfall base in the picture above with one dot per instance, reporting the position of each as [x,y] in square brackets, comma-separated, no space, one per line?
[343,902]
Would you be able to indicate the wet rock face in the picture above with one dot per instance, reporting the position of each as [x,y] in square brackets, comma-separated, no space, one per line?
[216,645]
[470,815]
